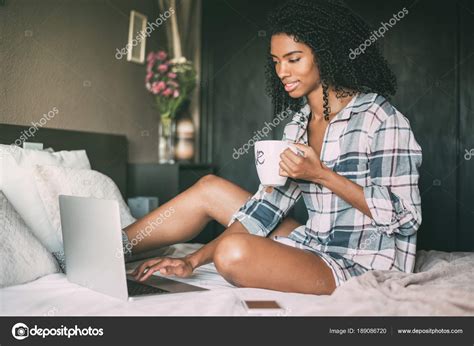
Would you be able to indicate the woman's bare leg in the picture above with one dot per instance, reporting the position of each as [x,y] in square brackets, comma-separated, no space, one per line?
[243,259]
[246,260]
[184,217]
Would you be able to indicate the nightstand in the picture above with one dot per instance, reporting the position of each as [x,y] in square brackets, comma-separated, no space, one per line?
[166,181]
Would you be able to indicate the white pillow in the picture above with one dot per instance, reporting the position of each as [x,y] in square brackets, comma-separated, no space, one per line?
[22,257]
[52,181]
[18,185]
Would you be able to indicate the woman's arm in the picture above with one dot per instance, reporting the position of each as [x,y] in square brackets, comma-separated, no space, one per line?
[393,196]
[310,168]
[346,189]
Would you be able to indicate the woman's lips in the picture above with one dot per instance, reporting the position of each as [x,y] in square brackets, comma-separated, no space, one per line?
[291,86]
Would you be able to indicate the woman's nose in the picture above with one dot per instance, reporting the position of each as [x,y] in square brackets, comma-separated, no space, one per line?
[283,71]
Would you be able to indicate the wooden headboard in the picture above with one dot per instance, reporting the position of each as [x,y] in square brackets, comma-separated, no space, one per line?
[107,153]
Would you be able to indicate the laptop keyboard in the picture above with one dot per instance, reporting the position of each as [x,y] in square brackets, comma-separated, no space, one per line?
[138,289]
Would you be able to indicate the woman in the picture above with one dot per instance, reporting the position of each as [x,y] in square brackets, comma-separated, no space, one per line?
[358,171]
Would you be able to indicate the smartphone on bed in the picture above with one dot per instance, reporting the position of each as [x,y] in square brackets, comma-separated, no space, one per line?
[263,307]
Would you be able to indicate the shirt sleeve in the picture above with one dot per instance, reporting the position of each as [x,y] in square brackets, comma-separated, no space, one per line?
[393,196]
[262,212]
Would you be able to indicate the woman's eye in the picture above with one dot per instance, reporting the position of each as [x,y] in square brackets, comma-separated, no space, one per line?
[294,60]
[275,62]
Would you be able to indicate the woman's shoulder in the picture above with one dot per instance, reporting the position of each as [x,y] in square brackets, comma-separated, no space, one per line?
[374,104]
[378,109]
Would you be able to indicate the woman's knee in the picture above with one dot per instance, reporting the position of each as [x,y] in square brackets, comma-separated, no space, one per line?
[208,188]
[207,181]
[212,186]
[231,253]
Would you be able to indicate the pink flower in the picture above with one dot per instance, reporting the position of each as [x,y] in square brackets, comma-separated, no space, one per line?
[163,68]
[167,92]
[154,89]
[176,94]
[149,66]
[161,55]
[172,75]
[161,85]
[157,87]
[150,57]
[149,75]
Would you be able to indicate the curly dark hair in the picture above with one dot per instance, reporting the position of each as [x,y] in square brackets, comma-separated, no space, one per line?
[332,31]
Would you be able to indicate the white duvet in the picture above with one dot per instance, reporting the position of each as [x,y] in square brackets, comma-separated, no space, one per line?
[442,285]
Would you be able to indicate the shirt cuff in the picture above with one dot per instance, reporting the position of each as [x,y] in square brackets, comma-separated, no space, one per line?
[387,209]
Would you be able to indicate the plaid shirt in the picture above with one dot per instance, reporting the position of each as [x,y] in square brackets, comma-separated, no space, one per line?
[371,143]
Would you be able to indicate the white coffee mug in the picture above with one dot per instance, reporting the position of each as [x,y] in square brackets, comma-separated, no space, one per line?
[267,161]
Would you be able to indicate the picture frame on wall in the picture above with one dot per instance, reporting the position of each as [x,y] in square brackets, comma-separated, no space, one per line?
[136,37]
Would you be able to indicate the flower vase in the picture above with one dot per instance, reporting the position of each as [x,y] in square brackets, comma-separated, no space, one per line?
[167,137]
[185,140]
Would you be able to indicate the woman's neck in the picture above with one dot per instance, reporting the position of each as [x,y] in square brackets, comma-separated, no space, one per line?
[316,103]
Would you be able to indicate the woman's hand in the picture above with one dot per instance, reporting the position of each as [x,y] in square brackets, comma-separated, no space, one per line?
[306,165]
[181,267]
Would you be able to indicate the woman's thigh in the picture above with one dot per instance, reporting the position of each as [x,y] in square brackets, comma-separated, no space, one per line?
[247,260]
[220,197]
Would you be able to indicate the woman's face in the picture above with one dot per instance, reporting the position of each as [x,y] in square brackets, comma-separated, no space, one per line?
[294,65]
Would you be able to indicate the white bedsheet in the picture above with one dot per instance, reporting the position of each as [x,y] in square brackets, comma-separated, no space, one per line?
[374,293]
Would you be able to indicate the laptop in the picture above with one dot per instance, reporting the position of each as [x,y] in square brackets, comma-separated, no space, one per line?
[94,253]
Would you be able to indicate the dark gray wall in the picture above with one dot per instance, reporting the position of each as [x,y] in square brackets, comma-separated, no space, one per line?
[431,51]
[61,53]
[465,94]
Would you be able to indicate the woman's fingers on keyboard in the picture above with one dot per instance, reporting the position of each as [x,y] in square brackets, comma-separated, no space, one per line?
[176,266]
[166,266]
[142,267]
[162,263]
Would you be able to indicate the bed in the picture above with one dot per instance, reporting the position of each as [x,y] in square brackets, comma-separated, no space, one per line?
[442,283]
